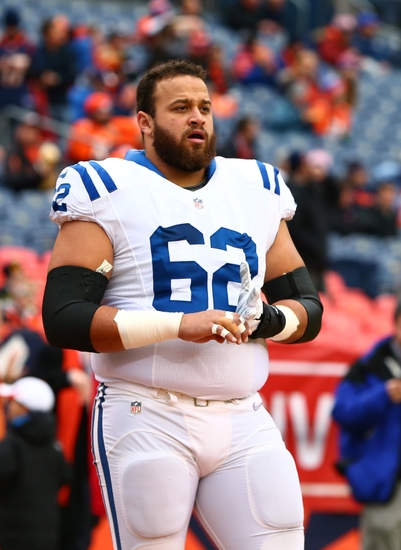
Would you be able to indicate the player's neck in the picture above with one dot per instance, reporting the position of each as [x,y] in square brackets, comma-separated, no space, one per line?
[179,177]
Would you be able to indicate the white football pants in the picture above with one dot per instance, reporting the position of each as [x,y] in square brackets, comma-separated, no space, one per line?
[160,455]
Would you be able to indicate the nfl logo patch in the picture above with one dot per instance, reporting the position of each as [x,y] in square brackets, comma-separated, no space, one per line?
[135,407]
[198,203]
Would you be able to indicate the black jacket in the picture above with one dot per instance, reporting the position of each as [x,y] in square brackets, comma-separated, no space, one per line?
[32,470]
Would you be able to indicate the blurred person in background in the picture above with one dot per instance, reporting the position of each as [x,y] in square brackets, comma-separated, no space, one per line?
[189,18]
[334,40]
[320,95]
[255,62]
[30,161]
[16,51]
[32,468]
[314,189]
[48,164]
[11,271]
[157,11]
[54,68]
[244,15]
[24,352]
[384,213]
[278,18]
[376,54]
[83,40]
[330,114]
[349,70]
[298,83]
[189,25]
[90,81]
[111,58]
[367,409]
[100,132]
[65,371]
[347,215]
[243,144]
[219,69]
[157,33]
[357,177]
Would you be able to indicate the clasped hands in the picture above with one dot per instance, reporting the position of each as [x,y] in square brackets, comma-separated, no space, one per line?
[228,326]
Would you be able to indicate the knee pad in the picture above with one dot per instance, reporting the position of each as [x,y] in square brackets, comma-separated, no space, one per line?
[154,491]
[273,487]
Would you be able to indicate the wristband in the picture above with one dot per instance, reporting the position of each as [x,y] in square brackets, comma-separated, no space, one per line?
[142,328]
[291,324]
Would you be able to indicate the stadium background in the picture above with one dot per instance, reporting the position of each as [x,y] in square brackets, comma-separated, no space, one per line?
[361,286]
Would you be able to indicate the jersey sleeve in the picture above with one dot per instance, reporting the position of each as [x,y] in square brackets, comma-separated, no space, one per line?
[287,202]
[274,181]
[71,200]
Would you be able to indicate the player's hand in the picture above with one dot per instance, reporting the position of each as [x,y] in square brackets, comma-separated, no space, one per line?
[250,305]
[213,324]
[393,387]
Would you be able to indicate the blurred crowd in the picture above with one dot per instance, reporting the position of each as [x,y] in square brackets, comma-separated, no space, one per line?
[75,90]
[77,82]
[76,87]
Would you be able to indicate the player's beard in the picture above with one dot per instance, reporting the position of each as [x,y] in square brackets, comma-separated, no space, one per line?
[179,153]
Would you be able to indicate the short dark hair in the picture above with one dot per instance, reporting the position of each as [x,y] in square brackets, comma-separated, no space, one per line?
[145,92]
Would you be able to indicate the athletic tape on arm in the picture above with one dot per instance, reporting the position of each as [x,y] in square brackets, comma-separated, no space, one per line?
[142,328]
[291,324]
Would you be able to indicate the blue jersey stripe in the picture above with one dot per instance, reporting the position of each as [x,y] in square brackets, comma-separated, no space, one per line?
[105,465]
[277,188]
[263,172]
[104,176]
[87,181]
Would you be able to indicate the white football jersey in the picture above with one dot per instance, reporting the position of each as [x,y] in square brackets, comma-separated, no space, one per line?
[180,250]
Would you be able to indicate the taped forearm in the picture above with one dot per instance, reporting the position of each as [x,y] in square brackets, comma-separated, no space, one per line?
[143,328]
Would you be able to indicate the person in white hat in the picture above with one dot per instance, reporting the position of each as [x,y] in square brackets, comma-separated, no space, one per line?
[32,468]
[28,394]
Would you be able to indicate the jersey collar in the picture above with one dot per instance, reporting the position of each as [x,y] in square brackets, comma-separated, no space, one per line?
[138,156]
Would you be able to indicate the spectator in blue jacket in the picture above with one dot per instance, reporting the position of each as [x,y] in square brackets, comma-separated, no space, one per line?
[368,410]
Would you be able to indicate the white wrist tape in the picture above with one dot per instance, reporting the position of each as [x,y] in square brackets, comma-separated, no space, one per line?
[291,324]
[142,328]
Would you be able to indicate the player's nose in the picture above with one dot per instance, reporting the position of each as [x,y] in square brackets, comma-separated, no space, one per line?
[196,117]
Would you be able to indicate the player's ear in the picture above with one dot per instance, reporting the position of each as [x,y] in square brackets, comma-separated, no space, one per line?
[145,123]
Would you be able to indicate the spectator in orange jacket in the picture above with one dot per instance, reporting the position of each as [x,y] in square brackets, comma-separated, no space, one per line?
[100,132]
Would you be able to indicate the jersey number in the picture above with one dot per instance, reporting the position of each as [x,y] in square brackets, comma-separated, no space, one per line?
[61,192]
[164,270]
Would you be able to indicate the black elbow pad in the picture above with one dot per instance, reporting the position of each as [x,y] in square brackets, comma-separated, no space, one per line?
[297,285]
[72,296]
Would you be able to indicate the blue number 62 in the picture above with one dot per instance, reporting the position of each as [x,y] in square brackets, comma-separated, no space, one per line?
[164,270]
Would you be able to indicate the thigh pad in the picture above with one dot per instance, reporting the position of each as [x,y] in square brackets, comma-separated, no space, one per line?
[154,493]
[273,487]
